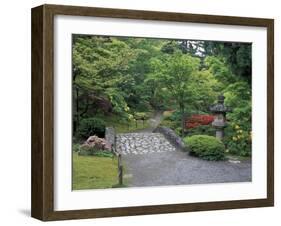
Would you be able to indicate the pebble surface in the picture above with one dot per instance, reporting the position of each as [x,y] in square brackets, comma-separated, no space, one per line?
[142,143]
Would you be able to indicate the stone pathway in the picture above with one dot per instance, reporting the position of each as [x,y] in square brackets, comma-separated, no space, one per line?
[151,160]
[142,143]
[178,168]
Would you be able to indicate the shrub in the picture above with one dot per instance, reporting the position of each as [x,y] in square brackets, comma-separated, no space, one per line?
[92,151]
[103,154]
[87,150]
[141,115]
[238,140]
[75,147]
[166,122]
[205,147]
[238,134]
[175,116]
[205,129]
[91,126]
[168,113]
[172,119]
[198,120]
[178,131]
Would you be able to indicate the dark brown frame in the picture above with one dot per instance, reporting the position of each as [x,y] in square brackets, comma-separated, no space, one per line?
[42,203]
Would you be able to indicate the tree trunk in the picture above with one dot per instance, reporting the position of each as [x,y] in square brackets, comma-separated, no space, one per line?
[85,109]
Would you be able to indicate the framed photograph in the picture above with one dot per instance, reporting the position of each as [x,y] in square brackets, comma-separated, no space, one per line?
[141,112]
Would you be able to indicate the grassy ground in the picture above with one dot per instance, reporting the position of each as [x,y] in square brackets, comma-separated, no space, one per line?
[91,172]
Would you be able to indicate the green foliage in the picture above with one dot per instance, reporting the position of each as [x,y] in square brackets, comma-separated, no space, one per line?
[100,71]
[173,75]
[238,96]
[238,140]
[205,89]
[103,154]
[91,126]
[178,78]
[203,129]
[221,71]
[75,147]
[205,147]
[237,56]
[167,113]
[172,119]
[116,80]
[141,115]
[180,82]
[174,116]
[166,122]
[91,151]
[237,91]
[178,131]
[170,47]
[123,125]
[87,151]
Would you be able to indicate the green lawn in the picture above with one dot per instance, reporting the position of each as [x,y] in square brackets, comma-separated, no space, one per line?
[91,172]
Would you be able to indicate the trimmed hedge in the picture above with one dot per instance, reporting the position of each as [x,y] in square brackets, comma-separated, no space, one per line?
[205,147]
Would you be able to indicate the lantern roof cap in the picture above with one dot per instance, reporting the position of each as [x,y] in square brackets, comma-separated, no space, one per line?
[219,107]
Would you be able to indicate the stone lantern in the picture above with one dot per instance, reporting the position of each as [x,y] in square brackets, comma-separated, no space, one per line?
[219,110]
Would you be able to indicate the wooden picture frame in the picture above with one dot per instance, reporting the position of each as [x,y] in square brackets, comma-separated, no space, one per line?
[42,203]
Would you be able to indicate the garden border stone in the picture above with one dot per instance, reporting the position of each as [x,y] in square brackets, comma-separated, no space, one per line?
[171,136]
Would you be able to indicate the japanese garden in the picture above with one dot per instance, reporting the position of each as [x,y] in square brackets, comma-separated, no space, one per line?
[154,112]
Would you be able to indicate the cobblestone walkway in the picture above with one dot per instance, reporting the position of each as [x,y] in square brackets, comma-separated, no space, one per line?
[142,143]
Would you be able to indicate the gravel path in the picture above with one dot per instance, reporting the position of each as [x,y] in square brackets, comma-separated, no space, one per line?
[151,160]
[150,163]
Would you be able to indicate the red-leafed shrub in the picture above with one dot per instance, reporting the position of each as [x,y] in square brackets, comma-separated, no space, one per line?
[198,120]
